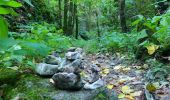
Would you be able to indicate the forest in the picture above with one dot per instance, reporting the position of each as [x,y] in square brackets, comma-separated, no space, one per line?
[84,49]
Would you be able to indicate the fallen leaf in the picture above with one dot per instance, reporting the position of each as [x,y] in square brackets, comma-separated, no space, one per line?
[129,97]
[126,69]
[118,67]
[150,87]
[110,86]
[126,89]
[121,96]
[106,71]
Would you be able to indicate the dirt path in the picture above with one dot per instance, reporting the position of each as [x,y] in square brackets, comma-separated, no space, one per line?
[128,79]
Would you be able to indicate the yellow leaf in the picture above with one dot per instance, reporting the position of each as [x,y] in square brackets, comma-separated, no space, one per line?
[110,86]
[118,67]
[82,74]
[150,87]
[137,93]
[129,97]
[126,69]
[106,71]
[121,96]
[126,89]
[152,49]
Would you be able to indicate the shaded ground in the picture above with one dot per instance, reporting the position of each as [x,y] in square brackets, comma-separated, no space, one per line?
[125,77]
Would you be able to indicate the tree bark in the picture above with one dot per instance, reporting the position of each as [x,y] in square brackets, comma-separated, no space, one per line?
[70,20]
[122,15]
[97,23]
[60,15]
[65,27]
[76,19]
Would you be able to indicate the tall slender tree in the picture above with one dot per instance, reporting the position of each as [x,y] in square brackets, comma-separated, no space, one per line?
[65,27]
[70,18]
[122,15]
[60,15]
[76,20]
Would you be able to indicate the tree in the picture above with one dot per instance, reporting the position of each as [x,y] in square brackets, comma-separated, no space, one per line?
[70,18]
[65,27]
[122,15]
[76,19]
[60,15]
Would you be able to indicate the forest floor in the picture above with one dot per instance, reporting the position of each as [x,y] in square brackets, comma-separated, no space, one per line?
[126,77]
[129,78]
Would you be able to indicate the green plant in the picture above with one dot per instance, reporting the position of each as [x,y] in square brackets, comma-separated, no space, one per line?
[155,32]
[6,7]
[20,52]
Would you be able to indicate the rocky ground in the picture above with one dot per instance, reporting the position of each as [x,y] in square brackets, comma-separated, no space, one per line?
[78,76]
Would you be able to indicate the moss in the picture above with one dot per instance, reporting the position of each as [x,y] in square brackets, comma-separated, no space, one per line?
[31,87]
[8,76]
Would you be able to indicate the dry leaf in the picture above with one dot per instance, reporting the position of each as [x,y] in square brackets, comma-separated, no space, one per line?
[104,72]
[121,96]
[110,86]
[129,97]
[126,89]
[118,67]
[150,87]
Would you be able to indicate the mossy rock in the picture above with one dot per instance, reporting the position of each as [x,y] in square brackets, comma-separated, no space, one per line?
[31,87]
[8,76]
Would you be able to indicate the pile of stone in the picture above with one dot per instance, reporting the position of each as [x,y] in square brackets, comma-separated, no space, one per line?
[66,72]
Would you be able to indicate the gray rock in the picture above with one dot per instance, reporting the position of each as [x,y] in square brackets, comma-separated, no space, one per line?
[67,81]
[72,67]
[46,69]
[71,49]
[86,95]
[73,56]
[99,83]
[53,60]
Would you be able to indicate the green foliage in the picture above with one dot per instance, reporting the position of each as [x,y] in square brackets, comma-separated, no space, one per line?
[6,7]
[16,52]
[155,31]
[158,71]
[3,28]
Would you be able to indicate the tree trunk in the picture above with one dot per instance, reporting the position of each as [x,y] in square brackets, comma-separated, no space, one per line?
[97,23]
[60,15]
[122,15]
[76,18]
[65,28]
[70,20]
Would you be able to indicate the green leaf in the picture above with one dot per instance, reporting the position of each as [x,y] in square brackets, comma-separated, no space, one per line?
[28,2]
[10,3]
[4,10]
[3,28]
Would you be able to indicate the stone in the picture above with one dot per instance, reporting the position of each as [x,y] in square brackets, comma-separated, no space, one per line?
[44,69]
[79,50]
[50,59]
[67,81]
[73,56]
[72,67]
[71,49]
[99,83]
